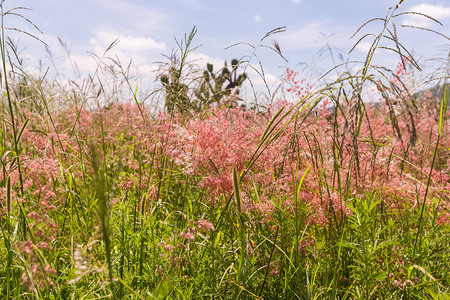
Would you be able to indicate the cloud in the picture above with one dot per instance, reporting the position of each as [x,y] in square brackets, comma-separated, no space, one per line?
[439,12]
[84,63]
[364,46]
[296,1]
[133,17]
[307,37]
[301,38]
[142,51]
[257,18]
[128,44]
[260,83]
[201,59]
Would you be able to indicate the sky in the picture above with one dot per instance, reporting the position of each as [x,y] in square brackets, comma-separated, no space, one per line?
[147,32]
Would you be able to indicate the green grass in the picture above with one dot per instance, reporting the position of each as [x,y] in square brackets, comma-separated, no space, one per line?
[292,202]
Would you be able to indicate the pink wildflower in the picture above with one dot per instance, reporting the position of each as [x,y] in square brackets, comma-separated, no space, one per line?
[205,225]
[26,247]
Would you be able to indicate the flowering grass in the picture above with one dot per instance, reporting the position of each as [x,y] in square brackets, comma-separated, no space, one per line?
[325,198]
[161,189]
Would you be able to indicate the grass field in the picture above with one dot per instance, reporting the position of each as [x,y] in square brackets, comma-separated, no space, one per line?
[326,197]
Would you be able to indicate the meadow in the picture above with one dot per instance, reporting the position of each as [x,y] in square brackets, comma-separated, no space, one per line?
[329,196]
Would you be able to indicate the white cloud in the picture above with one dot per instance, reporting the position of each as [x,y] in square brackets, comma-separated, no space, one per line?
[201,59]
[257,18]
[439,12]
[364,46]
[134,17]
[128,44]
[142,51]
[258,82]
[302,38]
[296,1]
[84,63]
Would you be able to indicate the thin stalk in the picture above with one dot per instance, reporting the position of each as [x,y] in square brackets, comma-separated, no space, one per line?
[442,113]
[268,263]
[13,122]
[8,240]
[101,189]
[375,46]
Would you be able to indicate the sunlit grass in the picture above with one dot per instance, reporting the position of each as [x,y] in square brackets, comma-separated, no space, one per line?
[330,197]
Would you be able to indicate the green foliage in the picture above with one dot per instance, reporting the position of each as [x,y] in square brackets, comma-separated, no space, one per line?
[176,92]
[211,87]
[174,79]
[215,86]
[184,91]
[366,243]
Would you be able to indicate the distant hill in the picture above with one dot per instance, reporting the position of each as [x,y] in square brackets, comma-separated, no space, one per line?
[431,94]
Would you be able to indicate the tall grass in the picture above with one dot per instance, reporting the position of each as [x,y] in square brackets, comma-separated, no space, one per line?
[330,197]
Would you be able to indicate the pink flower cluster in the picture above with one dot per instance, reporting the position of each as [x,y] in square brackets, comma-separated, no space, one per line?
[174,249]
[206,147]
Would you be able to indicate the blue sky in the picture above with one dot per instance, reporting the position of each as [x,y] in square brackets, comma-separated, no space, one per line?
[146,30]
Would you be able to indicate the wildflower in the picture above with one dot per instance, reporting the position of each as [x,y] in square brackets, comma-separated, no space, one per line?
[35,216]
[24,278]
[274,272]
[190,236]
[205,225]
[187,235]
[169,248]
[50,270]
[26,247]
[43,245]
